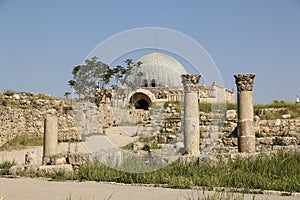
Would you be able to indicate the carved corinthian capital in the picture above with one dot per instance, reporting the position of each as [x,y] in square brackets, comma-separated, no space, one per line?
[190,81]
[244,82]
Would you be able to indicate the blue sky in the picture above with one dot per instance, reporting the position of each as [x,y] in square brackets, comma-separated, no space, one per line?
[40,41]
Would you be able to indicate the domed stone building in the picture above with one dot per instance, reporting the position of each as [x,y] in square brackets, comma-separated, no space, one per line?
[158,80]
[160,70]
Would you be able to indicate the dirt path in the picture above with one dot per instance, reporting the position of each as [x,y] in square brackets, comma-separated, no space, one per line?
[42,189]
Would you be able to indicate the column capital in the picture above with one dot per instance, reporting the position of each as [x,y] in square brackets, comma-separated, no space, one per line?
[244,82]
[190,81]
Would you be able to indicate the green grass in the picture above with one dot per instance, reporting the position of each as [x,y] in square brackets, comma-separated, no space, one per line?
[5,166]
[201,196]
[278,172]
[215,196]
[290,108]
[21,141]
[209,107]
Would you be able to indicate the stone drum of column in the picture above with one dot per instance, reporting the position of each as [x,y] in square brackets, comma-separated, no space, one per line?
[246,134]
[50,135]
[191,114]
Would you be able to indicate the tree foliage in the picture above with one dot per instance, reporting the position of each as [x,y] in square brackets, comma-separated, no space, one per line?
[92,78]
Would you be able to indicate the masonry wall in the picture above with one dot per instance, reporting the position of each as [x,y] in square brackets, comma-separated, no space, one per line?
[270,134]
[25,114]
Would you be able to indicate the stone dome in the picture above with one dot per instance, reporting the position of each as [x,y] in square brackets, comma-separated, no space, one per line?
[159,69]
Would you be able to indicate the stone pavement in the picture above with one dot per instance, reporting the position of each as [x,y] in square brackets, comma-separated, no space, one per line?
[31,189]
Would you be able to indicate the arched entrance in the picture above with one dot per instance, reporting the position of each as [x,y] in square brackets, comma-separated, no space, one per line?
[140,101]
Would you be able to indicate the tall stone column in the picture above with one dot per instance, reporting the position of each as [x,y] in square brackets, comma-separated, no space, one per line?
[191,114]
[246,134]
[50,138]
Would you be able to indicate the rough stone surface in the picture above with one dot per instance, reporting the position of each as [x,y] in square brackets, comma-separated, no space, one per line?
[50,135]
[32,158]
[244,82]
[246,134]
[191,114]
[29,111]
[231,115]
[24,114]
[66,168]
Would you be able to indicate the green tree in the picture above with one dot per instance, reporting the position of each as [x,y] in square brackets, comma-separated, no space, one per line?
[89,76]
[91,79]
[67,94]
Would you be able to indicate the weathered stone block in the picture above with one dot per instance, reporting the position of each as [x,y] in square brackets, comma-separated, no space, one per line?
[78,159]
[66,168]
[59,160]
[265,141]
[276,129]
[204,134]
[265,129]
[16,169]
[246,144]
[231,115]
[234,141]
[297,122]
[286,141]
[32,158]
[286,116]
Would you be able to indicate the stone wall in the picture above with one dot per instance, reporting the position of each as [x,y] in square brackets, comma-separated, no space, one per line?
[22,114]
[270,134]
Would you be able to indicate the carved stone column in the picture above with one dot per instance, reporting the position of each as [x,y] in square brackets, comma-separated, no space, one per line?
[50,138]
[246,134]
[191,114]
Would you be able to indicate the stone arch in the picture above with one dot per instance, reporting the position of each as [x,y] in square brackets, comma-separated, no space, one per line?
[142,99]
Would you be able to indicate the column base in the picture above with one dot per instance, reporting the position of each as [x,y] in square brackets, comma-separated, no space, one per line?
[46,160]
[246,144]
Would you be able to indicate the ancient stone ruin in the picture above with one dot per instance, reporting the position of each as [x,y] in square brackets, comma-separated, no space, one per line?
[165,119]
[246,134]
[191,114]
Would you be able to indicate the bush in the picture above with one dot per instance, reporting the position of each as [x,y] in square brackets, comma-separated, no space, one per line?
[5,166]
[3,102]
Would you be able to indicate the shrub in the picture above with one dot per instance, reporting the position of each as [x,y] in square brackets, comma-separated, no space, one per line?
[3,102]
[258,134]
[5,166]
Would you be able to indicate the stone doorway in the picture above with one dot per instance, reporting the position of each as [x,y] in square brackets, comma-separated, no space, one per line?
[140,101]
